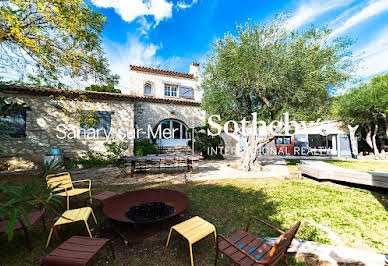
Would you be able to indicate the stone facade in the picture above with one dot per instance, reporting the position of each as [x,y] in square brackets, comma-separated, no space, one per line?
[153,113]
[42,133]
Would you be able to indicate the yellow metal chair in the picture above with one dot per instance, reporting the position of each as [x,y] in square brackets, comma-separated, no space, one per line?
[64,186]
[72,216]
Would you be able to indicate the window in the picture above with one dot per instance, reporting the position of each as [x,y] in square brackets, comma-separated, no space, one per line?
[186,92]
[15,124]
[99,129]
[287,141]
[147,89]
[177,129]
[283,140]
[170,90]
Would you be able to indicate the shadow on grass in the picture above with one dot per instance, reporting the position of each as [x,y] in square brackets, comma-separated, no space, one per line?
[228,207]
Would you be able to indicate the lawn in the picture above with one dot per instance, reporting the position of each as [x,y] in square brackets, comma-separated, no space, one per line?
[359,217]
[367,166]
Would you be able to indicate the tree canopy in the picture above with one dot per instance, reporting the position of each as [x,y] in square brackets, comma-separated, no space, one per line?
[55,38]
[268,69]
[367,107]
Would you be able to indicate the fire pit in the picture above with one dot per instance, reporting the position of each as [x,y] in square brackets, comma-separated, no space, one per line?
[145,206]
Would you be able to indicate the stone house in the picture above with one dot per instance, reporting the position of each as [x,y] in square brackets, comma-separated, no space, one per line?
[162,100]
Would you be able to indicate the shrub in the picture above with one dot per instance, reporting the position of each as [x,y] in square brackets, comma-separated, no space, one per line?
[115,149]
[143,148]
[102,88]
[90,159]
[204,143]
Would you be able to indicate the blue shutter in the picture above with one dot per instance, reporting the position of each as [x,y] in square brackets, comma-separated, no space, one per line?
[186,92]
[104,123]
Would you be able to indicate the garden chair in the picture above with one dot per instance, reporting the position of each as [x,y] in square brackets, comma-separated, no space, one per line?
[63,186]
[244,249]
[74,216]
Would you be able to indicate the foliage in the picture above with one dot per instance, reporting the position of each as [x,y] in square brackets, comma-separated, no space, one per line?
[90,159]
[366,106]
[208,146]
[144,147]
[267,69]
[56,38]
[363,104]
[102,88]
[115,149]
[22,197]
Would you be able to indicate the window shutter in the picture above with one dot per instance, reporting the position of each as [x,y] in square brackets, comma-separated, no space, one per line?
[103,126]
[15,124]
[186,92]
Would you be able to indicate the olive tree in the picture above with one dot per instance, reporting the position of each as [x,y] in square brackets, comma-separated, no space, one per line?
[268,69]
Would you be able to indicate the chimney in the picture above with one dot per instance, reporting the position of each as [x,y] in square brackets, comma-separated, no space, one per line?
[194,69]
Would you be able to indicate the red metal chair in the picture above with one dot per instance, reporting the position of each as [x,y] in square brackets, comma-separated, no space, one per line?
[244,249]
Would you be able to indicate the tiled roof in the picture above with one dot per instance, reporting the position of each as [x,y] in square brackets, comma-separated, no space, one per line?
[161,72]
[13,89]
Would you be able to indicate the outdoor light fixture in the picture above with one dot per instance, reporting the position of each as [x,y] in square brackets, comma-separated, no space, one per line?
[139,108]
[172,111]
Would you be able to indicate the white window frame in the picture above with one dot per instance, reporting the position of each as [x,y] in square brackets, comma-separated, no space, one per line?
[169,89]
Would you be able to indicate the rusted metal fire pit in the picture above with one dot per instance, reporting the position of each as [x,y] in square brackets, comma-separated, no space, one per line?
[118,206]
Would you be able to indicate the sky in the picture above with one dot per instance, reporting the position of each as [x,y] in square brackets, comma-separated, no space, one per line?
[172,34]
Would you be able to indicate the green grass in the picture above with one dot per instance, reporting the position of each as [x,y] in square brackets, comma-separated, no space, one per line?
[367,166]
[359,217]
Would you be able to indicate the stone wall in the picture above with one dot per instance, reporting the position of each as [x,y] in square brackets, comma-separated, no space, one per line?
[152,113]
[45,115]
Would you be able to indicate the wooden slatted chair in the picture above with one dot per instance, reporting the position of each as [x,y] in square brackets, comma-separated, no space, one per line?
[244,249]
[63,186]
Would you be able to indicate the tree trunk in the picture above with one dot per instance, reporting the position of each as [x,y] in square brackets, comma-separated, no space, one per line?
[386,124]
[369,136]
[353,140]
[250,159]
[375,149]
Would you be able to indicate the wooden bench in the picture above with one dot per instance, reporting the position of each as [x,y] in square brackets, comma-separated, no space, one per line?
[75,251]
[22,224]
[103,196]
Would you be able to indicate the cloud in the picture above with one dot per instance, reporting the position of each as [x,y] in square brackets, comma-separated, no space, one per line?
[129,10]
[308,12]
[136,52]
[372,9]
[374,56]
[133,51]
[183,5]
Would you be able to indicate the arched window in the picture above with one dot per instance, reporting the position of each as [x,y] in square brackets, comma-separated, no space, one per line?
[147,89]
[177,128]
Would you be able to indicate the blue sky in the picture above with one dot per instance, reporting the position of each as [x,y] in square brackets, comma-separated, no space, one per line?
[172,34]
